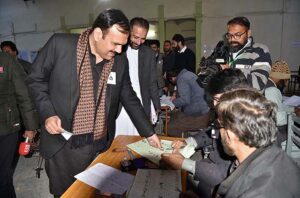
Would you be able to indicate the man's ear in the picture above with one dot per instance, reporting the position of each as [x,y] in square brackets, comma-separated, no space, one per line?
[97,34]
[230,135]
[249,33]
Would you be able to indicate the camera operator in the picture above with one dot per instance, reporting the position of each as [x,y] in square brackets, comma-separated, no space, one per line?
[243,53]
[212,170]
[252,58]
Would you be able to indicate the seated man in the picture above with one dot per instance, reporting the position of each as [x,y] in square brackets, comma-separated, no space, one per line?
[212,170]
[248,132]
[190,99]
[278,79]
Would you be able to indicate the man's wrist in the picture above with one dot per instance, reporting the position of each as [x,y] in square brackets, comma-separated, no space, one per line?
[189,165]
[191,142]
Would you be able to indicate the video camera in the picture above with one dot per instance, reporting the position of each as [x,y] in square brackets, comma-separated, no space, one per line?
[212,64]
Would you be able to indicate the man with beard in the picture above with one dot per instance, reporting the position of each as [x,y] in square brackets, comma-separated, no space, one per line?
[155,46]
[252,58]
[247,122]
[168,58]
[143,76]
[185,58]
[168,65]
[213,169]
[77,82]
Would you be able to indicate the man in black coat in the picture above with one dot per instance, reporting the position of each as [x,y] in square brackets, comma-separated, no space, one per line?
[248,132]
[184,58]
[16,109]
[77,83]
[143,76]
[11,48]
[213,169]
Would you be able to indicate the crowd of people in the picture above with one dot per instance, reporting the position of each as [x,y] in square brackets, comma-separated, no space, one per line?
[108,80]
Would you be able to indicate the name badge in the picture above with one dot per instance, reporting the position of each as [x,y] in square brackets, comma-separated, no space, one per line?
[111,78]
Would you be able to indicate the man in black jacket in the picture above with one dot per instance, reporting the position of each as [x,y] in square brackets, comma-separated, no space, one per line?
[77,83]
[212,170]
[16,109]
[184,58]
[143,76]
[11,48]
[248,132]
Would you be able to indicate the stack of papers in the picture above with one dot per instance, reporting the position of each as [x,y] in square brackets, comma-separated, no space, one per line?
[165,101]
[143,148]
[293,101]
[151,183]
[106,179]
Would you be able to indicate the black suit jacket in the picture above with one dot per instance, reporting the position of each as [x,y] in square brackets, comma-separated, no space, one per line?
[148,78]
[55,88]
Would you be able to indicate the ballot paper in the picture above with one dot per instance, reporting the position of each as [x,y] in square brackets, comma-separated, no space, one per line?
[143,148]
[149,183]
[165,101]
[106,179]
[293,101]
[66,134]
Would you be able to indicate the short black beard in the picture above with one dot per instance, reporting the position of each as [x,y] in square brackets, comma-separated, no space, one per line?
[236,48]
[131,45]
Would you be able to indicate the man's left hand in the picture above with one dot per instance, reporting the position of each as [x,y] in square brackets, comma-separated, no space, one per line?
[154,141]
[29,134]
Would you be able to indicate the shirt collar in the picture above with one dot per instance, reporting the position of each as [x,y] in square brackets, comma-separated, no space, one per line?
[183,49]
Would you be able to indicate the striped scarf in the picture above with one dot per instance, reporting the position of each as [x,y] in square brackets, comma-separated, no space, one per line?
[89,116]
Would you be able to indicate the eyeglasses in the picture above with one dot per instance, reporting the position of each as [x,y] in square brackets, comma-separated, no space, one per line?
[217,125]
[216,99]
[236,36]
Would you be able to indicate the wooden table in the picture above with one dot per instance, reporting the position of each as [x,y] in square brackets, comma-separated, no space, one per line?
[165,109]
[111,158]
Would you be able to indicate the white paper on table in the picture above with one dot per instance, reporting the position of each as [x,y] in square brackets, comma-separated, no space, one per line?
[293,101]
[66,134]
[153,154]
[106,179]
[149,183]
[165,101]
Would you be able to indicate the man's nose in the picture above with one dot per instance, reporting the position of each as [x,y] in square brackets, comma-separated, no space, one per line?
[139,41]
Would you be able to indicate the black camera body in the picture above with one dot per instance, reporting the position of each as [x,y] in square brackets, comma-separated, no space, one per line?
[212,64]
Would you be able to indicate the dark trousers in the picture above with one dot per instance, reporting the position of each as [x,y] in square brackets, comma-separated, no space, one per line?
[8,161]
[67,163]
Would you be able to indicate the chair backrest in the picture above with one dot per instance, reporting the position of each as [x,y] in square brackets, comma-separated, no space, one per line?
[293,136]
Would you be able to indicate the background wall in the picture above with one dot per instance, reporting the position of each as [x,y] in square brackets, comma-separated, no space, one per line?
[275,23]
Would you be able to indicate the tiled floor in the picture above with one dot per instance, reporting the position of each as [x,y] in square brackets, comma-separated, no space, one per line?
[27,185]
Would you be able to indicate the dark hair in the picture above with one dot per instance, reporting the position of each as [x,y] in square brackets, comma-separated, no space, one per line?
[168,41]
[110,17]
[154,42]
[249,115]
[178,38]
[12,46]
[226,80]
[173,73]
[243,21]
[139,21]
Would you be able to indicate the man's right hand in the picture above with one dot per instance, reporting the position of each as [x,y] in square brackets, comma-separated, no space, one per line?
[178,144]
[53,125]
[172,160]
